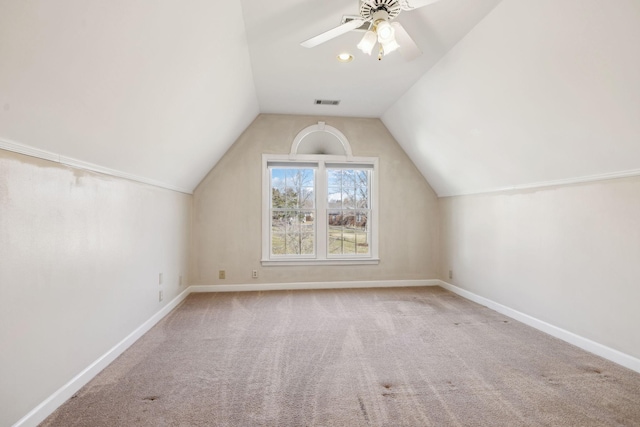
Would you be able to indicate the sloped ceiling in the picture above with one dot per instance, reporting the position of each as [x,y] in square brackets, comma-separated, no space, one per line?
[539,92]
[506,94]
[157,89]
[290,77]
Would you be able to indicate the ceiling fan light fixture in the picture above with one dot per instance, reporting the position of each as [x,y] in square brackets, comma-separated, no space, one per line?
[368,42]
[390,46]
[385,32]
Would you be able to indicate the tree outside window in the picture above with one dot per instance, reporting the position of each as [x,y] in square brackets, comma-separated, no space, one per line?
[319,210]
[292,211]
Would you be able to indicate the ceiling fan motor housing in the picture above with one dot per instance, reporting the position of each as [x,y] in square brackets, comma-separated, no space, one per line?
[369,8]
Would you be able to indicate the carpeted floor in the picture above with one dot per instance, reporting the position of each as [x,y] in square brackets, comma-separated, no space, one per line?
[358,357]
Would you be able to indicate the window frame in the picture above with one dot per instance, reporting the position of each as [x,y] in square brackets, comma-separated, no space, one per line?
[321,238]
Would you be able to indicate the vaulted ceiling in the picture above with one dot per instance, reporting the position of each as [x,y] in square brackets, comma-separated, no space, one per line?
[506,94]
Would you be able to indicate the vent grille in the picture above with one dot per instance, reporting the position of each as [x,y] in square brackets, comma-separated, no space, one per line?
[326,102]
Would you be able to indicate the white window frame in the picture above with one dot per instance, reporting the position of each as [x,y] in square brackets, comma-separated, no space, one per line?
[321,256]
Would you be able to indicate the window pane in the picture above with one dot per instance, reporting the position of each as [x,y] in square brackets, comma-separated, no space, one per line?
[362,219]
[277,192]
[349,199]
[292,232]
[292,188]
[293,211]
[362,232]
[300,233]
[277,244]
[362,247]
[334,178]
[307,199]
[334,197]
[362,189]
[347,217]
[292,244]
[335,240]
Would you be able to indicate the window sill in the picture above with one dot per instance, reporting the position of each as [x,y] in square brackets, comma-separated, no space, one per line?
[302,262]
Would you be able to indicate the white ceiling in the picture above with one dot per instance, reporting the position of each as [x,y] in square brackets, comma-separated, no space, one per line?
[289,77]
[506,94]
[161,89]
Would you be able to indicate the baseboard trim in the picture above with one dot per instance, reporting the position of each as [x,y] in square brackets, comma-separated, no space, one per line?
[313,285]
[46,408]
[50,404]
[598,349]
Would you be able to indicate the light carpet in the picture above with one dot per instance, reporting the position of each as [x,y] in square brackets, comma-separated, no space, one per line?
[356,357]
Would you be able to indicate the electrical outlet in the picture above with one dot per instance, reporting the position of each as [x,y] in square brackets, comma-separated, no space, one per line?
[160,279]
[450,274]
[222,274]
[160,296]
[254,274]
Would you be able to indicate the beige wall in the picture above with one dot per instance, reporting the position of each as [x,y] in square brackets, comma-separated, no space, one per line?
[569,255]
[80,255]
[227,209]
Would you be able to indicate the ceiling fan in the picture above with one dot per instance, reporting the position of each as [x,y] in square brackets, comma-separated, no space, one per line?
[382,29]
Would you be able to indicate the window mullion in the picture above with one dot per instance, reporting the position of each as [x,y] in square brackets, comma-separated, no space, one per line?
[276,231]
[321,206]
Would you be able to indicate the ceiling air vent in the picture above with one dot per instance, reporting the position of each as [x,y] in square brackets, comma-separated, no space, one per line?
[326,102]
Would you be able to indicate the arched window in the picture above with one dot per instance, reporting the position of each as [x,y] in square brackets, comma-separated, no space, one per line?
[319,203]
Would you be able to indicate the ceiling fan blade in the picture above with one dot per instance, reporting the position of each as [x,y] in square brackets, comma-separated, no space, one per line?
[408,48]
[415,4]
[333,33]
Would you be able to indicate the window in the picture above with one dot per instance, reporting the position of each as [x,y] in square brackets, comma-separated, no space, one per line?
[319,210]
[348,210]
[293,211]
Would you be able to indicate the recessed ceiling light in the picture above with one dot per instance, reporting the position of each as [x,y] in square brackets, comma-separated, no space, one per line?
[345,57]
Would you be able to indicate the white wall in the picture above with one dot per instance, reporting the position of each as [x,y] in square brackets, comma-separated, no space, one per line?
[565,255]
[227,230]
[538,91]
[154,89]
[80,255]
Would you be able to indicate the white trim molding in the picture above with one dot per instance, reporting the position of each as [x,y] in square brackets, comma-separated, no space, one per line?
[327,261]
[554,183]
[321,127]
[49,405]
[598,349]
[320,164]
[19,148]
[64,393]
[314,285]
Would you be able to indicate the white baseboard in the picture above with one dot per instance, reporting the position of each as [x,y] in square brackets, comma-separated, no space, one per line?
[313,285]
[584,343]
[46,408]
